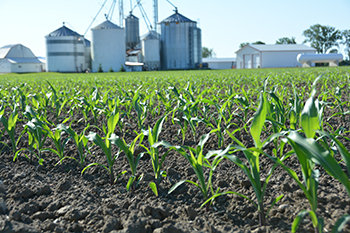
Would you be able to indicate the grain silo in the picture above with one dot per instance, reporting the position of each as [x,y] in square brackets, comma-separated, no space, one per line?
[151,50]
[132,31]
[181,43]
[108,47]
[65,51]
[87,45]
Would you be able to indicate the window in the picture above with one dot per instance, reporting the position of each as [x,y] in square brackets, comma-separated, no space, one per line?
[19,66]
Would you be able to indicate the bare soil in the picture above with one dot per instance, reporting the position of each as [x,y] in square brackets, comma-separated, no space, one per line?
[45,198]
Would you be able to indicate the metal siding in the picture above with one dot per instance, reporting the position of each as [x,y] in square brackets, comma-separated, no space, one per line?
[176,52]
[151,53]
[65,57]
[256,61]
[282,59]
[132,32]
[108,49]
[26,68]
[5,66]
[247,60]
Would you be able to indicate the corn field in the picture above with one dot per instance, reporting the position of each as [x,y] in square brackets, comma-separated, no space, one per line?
[264,150]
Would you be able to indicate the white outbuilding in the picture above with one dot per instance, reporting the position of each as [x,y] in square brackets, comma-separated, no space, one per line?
[215,63]
[271,56]
[19,59]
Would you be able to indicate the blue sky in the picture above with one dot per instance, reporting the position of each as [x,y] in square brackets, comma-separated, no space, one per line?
[224,23]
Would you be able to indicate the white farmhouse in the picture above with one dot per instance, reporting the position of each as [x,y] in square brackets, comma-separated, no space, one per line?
[271,56]
[19,59]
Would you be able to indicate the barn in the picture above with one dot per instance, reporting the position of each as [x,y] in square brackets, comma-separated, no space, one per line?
[17,58]
[215,63]
[271,56]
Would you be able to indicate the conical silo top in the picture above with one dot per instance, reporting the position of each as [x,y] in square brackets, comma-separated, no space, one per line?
[152,35]
[131,16]
[63,31]
[106,25]
[177,18]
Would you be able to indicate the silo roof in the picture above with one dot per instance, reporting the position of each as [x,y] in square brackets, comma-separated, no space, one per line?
[176,18]
[63,31]
[152,35]
[87,42]
[106,25]
[131,16]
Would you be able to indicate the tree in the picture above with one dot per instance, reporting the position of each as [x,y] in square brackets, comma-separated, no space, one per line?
[286,40]
[346,41]
[247,43]
[259,42]
[243,44]
[322,38]
[207,52]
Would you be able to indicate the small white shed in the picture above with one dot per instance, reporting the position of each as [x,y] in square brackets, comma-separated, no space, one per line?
[19,59]
[215,63]
[271,56]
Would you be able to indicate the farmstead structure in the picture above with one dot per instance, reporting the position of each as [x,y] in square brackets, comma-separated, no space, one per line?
[18,59]
[271,56]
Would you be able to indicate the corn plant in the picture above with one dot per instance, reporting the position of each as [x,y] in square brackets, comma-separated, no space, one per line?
[35,129]
[252,156]
[153,136]
[132,156]
[80,141]
[140,108]
[10,125]
[60,144]
[198,161]
[57,105]
[105,145]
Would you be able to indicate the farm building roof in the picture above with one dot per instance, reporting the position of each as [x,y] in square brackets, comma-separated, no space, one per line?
[176,18]
[63,31]
[278,47]
[17,53]
[222,59]
[106,25]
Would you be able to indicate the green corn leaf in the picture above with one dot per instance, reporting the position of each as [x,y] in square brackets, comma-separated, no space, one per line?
[180,183]
[275,200]
[229,192]
[94,164]
[154,188]
[112,123]
[313,151]
[259,120]
[340,224]
[130,182]
[298,219]
[341,148]
[309,118]
[99,141]
[313,218]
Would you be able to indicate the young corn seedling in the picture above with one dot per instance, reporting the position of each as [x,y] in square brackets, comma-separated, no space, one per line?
[309,153]
[198,161]
[56,104]
[80,141]
[105,145]
[132,156]
[36,130]
[10,125]
[140,108]
[153,136]
[59,144]
[252,156]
